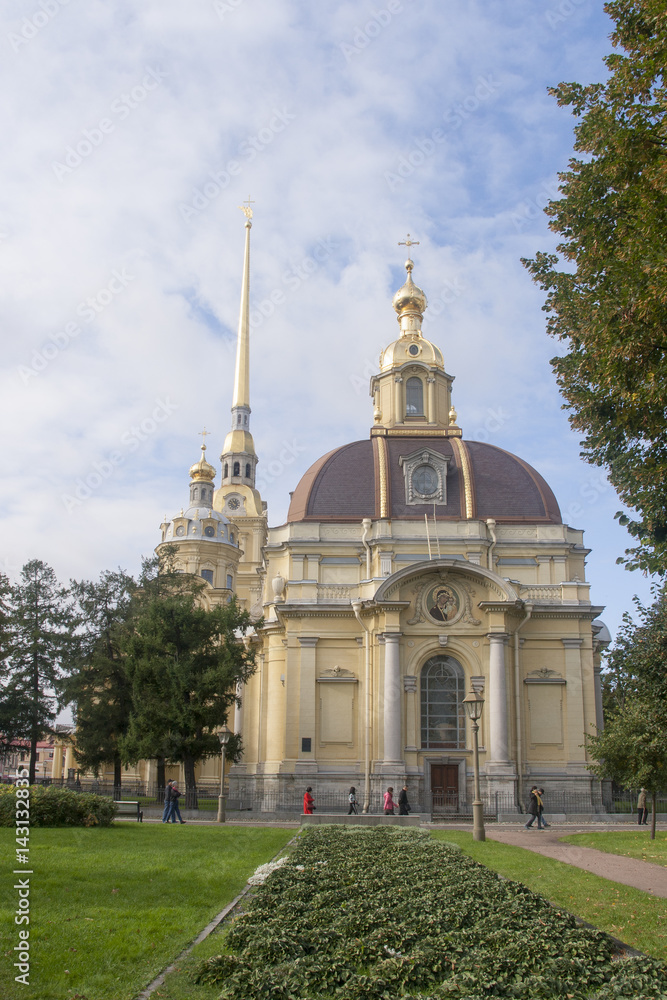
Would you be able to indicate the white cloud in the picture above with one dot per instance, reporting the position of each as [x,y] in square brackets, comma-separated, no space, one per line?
[166,104]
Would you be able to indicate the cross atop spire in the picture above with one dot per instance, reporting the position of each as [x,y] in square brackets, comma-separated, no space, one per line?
[246,209]
[204,434]
[409,243]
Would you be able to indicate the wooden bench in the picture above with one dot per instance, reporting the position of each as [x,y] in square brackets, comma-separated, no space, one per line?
[129,809]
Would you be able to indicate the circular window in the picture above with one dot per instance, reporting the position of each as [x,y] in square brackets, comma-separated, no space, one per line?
[425,481]
[413,349]
[209,531]
[180,530]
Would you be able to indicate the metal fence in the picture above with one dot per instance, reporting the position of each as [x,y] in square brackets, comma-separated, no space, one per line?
[441,806]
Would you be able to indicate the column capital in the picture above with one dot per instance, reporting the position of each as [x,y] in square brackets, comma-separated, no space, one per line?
[391,636]
[572,643]
[308,641]
[497,636]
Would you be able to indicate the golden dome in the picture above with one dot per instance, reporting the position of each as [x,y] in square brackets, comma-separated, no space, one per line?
[409,298]
[202,470]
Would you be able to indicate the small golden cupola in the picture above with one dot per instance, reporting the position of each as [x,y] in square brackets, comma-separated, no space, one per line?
[412,389]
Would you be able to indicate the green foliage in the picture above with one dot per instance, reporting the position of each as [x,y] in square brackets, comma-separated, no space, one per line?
[636,664]
[40,624]
[608,304]
[632,748]
[99,685]
[53,806]
[392,913]
[184,661]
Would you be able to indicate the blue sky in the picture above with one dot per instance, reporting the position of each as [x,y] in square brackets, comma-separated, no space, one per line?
[133,132]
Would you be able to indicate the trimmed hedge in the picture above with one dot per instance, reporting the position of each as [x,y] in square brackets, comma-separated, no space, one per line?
[385,912]
[54,806]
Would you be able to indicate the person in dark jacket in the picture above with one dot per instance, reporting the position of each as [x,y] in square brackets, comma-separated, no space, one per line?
[403,804]
[534,810]
[167,801]
[540,792]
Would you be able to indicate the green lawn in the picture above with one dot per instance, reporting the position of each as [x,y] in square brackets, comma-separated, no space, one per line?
[635,917]
[111,907]
[633,844]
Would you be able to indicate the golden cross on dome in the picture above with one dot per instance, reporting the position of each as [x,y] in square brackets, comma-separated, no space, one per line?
[246,209]
[204,434]
[409,243]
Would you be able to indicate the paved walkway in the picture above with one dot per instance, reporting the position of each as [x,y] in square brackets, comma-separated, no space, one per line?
[615,867]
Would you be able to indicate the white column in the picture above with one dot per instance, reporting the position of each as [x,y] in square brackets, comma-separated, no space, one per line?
[392,698]
[430,396]
[307,694]
[574,696]
[238,710]
[399,415]
[498,742]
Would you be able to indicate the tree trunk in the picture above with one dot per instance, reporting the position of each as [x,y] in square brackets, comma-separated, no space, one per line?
[161,779]
[117,776]
[32,766]
[190,783]
[654,796]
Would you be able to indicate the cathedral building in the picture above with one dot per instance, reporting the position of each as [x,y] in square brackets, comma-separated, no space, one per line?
[414,567]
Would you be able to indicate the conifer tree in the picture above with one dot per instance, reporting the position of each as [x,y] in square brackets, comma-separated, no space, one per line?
[184,661]
[40,627]
[98,685]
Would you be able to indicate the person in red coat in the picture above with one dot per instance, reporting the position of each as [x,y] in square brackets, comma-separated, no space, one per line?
[308,801]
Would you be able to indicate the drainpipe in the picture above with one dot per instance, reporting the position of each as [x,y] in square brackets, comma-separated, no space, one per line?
[366,525]
[356,607]
[491,525]
[517,703]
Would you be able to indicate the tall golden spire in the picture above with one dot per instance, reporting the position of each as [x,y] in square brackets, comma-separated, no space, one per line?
[238,453]
[241,395]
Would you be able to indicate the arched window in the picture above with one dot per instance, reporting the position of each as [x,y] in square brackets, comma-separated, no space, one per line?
[237,468]
[442,711]
[414,397]
[247,471]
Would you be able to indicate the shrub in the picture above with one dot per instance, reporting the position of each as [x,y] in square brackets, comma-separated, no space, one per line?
[390,913]
[52,806]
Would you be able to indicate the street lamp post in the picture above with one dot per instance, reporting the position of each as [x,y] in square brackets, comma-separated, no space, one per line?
[474,703]
[224,740]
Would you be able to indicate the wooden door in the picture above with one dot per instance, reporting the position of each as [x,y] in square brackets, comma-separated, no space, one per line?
[445,787]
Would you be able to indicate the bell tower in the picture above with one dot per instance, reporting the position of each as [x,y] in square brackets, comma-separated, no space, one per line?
[412,393]
[237,498]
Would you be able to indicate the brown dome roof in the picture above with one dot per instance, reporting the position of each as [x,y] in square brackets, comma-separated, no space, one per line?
[344,485]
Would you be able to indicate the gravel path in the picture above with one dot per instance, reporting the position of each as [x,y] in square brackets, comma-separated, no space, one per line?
[615,867]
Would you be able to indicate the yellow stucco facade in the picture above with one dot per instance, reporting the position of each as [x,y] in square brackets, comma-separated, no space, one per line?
[414,567]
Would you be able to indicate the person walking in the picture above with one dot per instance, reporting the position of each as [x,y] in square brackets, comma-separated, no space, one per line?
[389,802]
[167,802]
[534,809]
[308,802]
[352,799]
[403,804]
[540,792]
[642,810]
[175,811]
